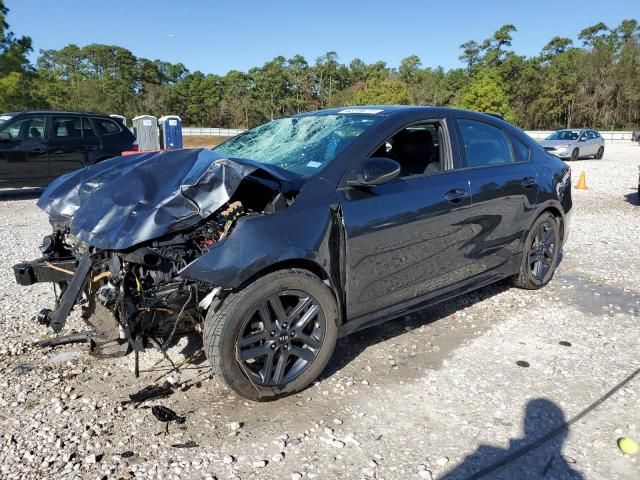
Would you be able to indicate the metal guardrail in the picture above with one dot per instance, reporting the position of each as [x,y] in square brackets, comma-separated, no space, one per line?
[210,132]
[609,136]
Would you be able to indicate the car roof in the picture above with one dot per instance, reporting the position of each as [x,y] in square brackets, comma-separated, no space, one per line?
[393,110]
[64,112]
[576,130]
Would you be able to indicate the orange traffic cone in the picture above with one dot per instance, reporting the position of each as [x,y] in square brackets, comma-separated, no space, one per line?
[582,182]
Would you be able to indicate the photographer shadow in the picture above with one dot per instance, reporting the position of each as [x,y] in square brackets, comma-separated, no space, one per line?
[537,455]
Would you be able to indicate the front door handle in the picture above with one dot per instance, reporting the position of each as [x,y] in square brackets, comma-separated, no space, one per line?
[456,195]
[528,182]
[38,150]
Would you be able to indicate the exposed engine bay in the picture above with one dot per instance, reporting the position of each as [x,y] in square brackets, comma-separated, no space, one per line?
[136,296]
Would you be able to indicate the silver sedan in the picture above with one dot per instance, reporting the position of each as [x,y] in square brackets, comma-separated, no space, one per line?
[575,143]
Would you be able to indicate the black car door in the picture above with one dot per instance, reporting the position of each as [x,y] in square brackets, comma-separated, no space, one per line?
[406,238]
[91,142]
[23,152]
[504,191]
[66,146]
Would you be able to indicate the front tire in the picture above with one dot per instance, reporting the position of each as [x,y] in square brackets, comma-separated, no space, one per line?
[273,337]
[600,153]
[575,155]
[540,254]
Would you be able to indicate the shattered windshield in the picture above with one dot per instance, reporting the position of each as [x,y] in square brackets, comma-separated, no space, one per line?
[302,145]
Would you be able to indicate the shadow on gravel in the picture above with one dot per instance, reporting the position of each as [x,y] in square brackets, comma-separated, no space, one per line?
[538,454]
[20,193]
[351,346]
[632,198]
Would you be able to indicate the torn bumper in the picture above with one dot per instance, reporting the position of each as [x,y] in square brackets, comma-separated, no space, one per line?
[45,270]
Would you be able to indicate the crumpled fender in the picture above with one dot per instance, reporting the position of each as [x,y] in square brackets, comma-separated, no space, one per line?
[125,201]
[260,241]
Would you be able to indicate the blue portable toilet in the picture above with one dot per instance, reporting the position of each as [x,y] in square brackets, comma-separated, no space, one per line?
[171,132]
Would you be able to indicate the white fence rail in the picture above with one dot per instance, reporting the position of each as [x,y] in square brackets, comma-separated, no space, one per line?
[610,136]
[615,136]
[210,132]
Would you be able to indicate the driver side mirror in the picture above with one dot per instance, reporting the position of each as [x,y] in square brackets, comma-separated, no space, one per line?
[582,139]
[376,170]
[5,137]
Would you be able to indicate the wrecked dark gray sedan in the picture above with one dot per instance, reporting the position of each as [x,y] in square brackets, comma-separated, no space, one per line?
[297,232]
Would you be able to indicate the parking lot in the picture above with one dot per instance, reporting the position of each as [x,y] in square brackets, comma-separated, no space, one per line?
[443,393]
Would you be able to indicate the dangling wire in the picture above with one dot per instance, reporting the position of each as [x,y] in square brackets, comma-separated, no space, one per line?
[165,345]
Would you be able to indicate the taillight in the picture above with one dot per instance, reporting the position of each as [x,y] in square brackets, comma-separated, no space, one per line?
[135,148]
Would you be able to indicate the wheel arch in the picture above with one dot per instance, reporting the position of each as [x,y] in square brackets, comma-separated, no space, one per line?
[299,263]
[302,264]
[556,211]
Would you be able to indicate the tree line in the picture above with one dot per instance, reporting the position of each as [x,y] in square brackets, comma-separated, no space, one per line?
[594,83]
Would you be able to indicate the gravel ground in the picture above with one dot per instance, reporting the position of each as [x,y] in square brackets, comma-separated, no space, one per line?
[437,394]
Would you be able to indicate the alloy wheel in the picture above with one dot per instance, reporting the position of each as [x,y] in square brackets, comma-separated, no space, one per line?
[281,337]
[542,251]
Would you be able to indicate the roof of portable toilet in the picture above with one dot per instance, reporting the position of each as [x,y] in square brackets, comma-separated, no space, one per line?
[143,116]
[169,117]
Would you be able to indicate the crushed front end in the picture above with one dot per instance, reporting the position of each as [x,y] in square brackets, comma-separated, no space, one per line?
[134,295]
[125,229]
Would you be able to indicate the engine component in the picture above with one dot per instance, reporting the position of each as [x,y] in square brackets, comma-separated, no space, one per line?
[135,294]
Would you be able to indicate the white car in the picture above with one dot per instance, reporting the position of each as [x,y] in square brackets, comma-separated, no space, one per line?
[574,143]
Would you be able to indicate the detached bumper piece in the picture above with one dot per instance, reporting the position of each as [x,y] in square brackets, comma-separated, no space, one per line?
[59,271]
[44,270]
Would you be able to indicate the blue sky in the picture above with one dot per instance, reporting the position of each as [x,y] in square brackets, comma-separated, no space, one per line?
[215,36]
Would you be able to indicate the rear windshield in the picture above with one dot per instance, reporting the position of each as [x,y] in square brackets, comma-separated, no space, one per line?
[564,135]
[301,145]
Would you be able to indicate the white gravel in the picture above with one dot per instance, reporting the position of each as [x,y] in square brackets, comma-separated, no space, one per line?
[436,394]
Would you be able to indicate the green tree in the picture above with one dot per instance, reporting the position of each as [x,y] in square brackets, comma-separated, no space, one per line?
[410,68]
[470,54]
[556,46]
[594,35]
[16,74]
[485,94]
[384,92]
[495,47]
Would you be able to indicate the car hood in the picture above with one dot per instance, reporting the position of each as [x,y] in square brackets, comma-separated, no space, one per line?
[124,201]
[555,143]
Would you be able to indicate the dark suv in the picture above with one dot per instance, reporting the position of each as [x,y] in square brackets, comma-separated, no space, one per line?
[38,146]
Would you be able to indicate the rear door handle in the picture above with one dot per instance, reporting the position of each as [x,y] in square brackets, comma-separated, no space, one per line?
[38,150]
[456,195]
[528,182]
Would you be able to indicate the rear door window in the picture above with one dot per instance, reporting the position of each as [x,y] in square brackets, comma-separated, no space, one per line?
[105,126]
[67,127]
[484,144]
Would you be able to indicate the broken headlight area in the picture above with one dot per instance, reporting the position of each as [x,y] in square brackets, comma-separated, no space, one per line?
[123,231]
[136,295]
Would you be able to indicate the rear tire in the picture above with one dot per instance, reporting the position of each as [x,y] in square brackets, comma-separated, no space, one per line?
[273,337]
[540,254]
[575,155]
[600,153]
